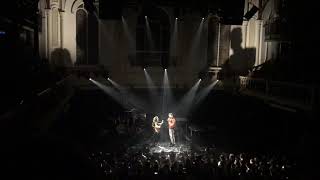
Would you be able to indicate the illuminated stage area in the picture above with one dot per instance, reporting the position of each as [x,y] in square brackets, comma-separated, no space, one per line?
[163,148]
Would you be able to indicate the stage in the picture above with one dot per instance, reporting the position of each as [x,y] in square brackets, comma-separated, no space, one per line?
[162,148]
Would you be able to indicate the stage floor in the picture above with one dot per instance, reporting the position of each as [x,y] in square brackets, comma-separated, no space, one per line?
[163,147]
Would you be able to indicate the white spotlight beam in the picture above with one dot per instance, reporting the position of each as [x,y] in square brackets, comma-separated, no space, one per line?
[110,91]
[129,97]
[205,91]
[116,85]
[167,100]
[195,51]
[187,100]
[128,34]
[149,34]
[153,92]
[174,39]
[149,80]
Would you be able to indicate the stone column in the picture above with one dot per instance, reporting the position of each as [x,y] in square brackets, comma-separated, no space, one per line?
[245,38]
[258,42]
[61,12]
[44,38]
[48,33]
[218,44]
[224,47]
[38,21]
[213,41]
[210,56]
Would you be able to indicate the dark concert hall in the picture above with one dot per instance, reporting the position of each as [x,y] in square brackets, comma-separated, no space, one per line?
[159,89]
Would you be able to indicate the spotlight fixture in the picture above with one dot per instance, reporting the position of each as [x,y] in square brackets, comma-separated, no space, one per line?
[176,18]
[144,69]
[108,78]
[200,79]
[145,17]
[202,18]
[90,79]
[165,69]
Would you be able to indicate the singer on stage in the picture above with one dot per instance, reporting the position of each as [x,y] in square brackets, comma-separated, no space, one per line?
[172,124]
[156,124]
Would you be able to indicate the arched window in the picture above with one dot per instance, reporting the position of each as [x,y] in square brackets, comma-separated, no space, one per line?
[81,37]
[152,38]
[87,37]
[93,39]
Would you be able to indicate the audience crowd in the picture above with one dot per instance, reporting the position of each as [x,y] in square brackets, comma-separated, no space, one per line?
[206,163]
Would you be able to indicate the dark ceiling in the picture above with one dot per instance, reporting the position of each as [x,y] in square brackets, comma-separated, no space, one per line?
[230,10]
[18,8]
[22,12]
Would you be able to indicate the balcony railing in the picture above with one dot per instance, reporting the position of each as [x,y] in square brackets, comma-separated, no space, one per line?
[289,93]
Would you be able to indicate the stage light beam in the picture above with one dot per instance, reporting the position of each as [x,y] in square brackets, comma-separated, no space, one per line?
[153,93]
[174,40]
[204,92]
[197,50]
[129,97]
[167,99]
[149,34]
[110,91]
[183,108]
[129,36]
